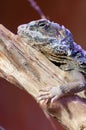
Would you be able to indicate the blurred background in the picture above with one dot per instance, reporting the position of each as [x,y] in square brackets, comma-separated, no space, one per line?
[18,110]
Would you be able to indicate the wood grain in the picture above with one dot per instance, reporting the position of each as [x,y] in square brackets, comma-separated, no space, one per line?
[29,69]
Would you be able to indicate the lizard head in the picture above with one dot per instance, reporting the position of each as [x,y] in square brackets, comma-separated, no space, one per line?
[48,36]
[52,39]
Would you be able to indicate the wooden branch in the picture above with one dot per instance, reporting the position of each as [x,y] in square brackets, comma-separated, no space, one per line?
[28,69]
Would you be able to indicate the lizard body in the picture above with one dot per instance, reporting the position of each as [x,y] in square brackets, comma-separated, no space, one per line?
[57,44]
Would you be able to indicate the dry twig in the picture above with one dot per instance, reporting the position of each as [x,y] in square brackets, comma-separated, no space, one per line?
[27,68]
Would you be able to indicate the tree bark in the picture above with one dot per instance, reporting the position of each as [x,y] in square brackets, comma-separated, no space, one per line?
[29,69]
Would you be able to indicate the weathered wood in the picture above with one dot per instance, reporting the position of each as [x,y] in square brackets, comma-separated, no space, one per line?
[28,69]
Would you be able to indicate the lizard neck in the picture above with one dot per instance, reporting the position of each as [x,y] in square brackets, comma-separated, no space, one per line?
[79,54]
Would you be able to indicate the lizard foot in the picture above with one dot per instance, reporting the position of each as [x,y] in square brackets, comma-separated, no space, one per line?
[52,93]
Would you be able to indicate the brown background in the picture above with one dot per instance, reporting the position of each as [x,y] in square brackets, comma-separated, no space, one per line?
[18,110]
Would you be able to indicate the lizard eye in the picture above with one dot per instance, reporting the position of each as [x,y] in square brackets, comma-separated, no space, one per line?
[42,24]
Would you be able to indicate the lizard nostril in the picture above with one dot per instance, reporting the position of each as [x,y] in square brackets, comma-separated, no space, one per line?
[22,27]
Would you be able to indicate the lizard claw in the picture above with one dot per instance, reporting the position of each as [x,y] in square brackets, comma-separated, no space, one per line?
[52,93]
[44,94]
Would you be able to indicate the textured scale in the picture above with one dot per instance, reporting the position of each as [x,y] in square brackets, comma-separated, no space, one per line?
[57,44]
[57,39]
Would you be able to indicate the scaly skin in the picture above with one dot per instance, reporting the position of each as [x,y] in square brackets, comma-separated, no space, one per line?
[57,44]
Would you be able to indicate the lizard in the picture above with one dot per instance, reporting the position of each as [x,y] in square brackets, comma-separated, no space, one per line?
[57,44]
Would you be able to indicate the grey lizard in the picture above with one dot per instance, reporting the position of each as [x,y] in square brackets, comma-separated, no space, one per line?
[57,44]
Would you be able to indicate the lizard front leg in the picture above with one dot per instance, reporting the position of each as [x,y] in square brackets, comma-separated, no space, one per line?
[53,93]
[50,93]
